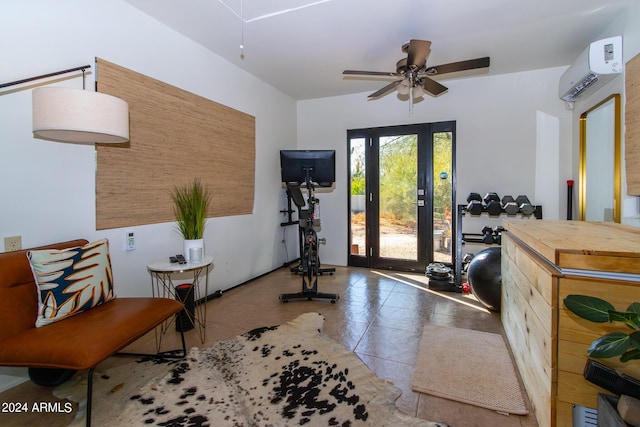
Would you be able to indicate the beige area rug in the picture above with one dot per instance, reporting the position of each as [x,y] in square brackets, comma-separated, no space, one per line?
[276,376]
[468,366]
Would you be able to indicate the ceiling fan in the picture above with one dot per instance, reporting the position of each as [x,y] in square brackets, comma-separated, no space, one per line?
[415,76]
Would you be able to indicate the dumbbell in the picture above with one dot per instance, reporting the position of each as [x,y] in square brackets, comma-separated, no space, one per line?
[526,208]
[475,206]
[466,260]
[492,201]
[487,235]
[497,234]
[474,196]
[491,196]
[509,205]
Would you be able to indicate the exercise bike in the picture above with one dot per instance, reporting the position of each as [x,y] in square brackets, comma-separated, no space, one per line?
[308,226]
[310,266]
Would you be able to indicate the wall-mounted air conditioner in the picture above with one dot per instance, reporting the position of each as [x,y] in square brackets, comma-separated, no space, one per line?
[596,65]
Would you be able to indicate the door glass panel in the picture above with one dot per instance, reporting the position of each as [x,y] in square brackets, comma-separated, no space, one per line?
[442,196]
[400,197]
[398,230]
[358,197]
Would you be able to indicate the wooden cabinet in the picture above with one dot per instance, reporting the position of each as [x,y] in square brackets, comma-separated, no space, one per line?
[543,262]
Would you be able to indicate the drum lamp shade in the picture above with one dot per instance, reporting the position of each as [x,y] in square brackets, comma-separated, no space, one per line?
[80,116]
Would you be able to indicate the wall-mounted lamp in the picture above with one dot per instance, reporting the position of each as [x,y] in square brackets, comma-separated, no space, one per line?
[77,115]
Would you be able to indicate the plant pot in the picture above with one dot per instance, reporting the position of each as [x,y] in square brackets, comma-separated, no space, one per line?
[193,248]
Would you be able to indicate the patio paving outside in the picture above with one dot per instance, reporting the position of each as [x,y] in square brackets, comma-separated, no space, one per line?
[398,240]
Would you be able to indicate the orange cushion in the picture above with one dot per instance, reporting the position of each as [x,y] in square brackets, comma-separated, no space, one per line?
[84,340]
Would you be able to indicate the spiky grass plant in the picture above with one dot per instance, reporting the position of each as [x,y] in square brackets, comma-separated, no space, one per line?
[190,204]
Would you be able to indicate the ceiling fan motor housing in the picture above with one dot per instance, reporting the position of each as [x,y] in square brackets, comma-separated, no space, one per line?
[413,71]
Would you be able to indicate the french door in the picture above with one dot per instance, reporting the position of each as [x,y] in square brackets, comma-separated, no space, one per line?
[402,187]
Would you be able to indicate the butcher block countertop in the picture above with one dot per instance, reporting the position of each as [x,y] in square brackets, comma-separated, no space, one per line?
[581,245]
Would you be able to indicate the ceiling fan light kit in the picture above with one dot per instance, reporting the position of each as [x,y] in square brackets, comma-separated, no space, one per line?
[415,76]
[404,87]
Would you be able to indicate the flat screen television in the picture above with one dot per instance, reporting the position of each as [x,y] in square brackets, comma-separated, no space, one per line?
[319,166]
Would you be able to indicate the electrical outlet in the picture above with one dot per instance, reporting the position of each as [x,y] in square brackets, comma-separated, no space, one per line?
[13,243]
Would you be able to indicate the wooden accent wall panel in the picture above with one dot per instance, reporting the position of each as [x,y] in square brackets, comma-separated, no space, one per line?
[175,136]
[632,126]
[528,314]
[575,336]
[542,263]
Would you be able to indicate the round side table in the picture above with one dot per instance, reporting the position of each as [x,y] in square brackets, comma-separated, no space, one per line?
[162,272]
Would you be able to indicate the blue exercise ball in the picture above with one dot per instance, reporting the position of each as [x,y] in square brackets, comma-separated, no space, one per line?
[485,277]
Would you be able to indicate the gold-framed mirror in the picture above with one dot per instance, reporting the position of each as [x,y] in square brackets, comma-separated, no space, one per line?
[599,196]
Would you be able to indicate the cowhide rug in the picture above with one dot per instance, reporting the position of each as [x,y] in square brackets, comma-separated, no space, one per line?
[287,375]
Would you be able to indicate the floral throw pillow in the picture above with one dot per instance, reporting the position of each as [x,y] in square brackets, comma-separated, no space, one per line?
[71,280]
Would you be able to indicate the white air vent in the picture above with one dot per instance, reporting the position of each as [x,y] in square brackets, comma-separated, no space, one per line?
[600,62]
[584,417]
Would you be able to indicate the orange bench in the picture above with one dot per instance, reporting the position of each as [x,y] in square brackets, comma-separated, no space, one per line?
[76,343]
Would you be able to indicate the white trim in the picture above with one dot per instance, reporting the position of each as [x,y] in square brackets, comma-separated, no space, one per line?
[8,381]
[272,14]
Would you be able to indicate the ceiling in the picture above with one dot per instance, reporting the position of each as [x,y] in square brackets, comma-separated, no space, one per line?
[301,47]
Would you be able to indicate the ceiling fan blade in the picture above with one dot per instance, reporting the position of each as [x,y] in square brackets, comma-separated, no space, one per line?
[418,52]
[385,90]
[452,67]
[432,86]
[370,73]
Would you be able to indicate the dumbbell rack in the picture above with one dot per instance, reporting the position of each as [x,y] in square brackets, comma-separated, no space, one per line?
[462,211]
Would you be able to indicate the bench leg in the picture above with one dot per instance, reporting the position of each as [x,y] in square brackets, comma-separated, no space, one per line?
[89,396]
[90,373]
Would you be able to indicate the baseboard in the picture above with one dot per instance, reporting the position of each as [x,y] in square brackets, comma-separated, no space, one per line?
[217,295]
[9,381]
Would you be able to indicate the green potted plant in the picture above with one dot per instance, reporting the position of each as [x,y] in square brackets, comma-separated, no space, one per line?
[624,343]
[190,204]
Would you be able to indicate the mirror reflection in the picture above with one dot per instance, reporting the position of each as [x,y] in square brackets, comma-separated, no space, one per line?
[599,197]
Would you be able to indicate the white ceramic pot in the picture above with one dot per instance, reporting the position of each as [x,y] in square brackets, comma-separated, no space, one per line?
[193,248]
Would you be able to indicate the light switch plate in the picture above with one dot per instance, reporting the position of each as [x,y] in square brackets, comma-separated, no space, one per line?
[130,243]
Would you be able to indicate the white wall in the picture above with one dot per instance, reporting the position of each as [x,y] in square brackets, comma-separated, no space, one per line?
[497,126]
[497,137]
[626,26]
[48,188]
[547,191]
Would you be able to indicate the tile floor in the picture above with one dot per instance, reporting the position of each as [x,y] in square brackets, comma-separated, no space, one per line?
[380,316]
